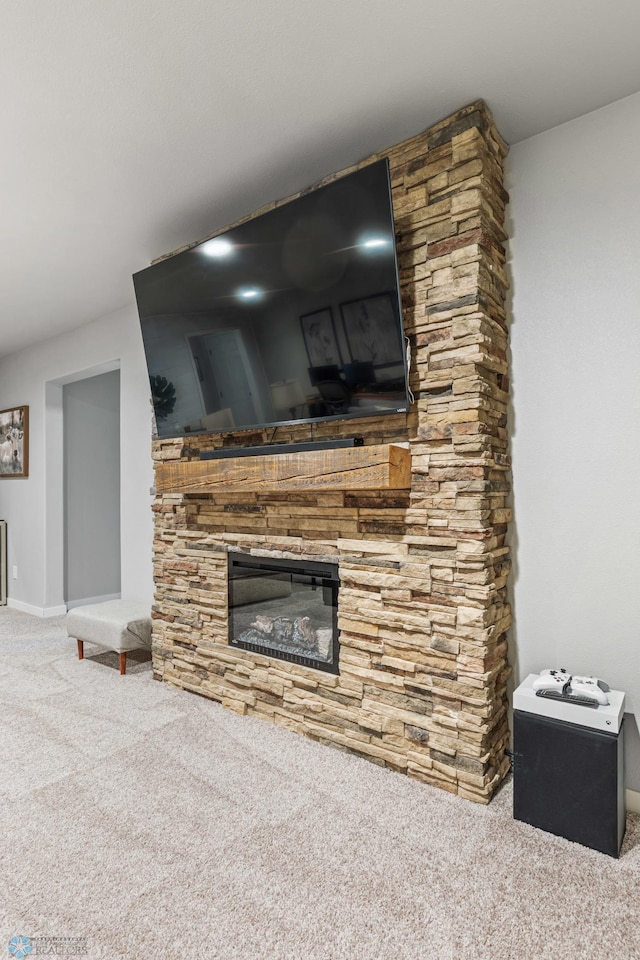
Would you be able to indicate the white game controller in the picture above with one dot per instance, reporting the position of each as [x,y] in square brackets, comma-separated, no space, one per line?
[590,687]
[559,683]
[553,680]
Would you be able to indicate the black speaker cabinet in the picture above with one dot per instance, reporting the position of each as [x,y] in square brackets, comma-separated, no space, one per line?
[568,779]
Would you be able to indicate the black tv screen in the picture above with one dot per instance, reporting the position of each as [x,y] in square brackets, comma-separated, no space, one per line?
[292,316]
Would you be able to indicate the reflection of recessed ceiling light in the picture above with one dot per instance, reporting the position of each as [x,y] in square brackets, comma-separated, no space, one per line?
[250,293]
[374,243]
[218,247]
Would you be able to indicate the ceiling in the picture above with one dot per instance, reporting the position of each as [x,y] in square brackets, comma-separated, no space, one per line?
[135,126]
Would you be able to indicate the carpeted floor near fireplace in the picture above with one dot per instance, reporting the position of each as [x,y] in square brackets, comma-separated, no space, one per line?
[154,823]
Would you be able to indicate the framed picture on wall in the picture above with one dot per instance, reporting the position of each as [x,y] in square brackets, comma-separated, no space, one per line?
[14,442]
[320,339]
[372,330]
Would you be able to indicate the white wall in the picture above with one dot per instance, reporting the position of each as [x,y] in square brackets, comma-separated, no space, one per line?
[33,506]
[575,267]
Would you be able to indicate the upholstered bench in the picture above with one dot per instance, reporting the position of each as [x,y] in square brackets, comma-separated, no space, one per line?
[119,625]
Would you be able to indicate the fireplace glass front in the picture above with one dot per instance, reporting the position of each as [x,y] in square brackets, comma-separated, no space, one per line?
[285,608]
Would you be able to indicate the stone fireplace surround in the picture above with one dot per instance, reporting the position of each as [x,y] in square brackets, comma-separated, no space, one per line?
[422,614]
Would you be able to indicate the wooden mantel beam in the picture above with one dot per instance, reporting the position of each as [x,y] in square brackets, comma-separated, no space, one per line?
[378,467]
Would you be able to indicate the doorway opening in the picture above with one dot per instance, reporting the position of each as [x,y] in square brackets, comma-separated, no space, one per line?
[91,488]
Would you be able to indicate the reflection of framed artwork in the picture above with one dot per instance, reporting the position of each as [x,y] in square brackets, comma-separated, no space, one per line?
[320,338]
[14,442]
[372,329]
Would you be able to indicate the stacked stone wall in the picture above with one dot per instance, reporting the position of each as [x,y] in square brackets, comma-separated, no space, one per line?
[422,613]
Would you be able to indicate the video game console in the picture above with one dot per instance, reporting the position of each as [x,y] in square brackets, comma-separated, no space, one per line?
[578,708]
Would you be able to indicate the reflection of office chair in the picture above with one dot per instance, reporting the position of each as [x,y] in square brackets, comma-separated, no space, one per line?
[329,372]
[335,394]
[359,374]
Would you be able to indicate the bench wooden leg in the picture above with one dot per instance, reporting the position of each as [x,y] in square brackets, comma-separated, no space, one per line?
[80,649]
[123,663]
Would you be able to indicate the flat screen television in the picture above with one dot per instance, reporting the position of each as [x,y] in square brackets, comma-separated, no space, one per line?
[292,316]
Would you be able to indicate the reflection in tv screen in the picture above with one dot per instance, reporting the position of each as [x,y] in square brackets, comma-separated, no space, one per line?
[291,316]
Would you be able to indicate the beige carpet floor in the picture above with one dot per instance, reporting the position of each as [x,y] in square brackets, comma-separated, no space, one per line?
[154,824]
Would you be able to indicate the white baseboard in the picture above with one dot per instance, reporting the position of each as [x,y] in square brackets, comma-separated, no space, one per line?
[87,600]
[36,611]
[632,801]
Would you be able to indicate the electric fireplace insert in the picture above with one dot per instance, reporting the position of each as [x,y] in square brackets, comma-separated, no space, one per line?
[285,609]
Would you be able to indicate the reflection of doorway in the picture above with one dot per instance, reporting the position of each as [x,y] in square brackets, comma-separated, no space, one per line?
[91,426]
[226,375]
